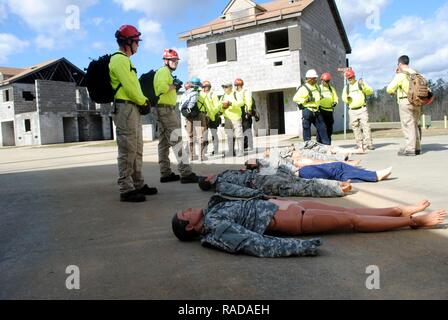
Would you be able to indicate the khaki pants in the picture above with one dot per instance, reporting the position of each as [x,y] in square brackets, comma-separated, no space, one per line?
[128,124]
[170,137]
[410,117]
[361,128]
[234,129]
[199,126]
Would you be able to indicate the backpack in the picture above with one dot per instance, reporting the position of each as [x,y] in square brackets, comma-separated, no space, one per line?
[418,89]
[98,80]
[192,113]
[147,84]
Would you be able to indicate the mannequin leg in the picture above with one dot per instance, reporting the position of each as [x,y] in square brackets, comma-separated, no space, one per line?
[388,212]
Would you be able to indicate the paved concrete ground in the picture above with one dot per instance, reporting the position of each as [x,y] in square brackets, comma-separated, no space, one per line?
[59,206]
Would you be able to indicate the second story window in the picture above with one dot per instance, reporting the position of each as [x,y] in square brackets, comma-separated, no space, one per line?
[277,41]
[288,39]
[222,51]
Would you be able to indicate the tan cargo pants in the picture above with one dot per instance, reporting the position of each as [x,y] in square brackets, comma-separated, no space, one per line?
[361,128]
[170,137]
[410,118]
[128,124]
[234,132]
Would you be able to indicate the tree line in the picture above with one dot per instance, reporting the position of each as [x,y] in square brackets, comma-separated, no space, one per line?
[384,108]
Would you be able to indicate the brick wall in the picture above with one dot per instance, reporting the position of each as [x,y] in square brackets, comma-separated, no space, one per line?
[21,105]
[56,96]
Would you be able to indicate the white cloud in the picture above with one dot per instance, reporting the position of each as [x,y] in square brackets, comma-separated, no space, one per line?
[97,20]
[355,12]
[3,12]
[424,40]
[56,22]
[152,34]
[98,45]
[10,45]
[44,42]
[162,8]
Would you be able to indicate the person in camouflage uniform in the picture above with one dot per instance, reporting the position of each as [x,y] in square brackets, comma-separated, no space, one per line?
[243,226]
[284,183]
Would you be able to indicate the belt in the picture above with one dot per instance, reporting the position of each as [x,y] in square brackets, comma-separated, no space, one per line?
[357,108]
[165,106]
[402,98]
[124,101]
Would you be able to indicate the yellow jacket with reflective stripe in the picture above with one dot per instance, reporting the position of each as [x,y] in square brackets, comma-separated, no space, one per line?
[246,95]
[211,103]
[162,81]
[400,85]
[121,70]
[329,97]
[234,111]
[302,95]
[358,97]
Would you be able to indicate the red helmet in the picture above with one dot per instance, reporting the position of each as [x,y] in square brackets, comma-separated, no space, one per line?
[238,82]
[350,73]
[326,76]
[128,32]
[170,54]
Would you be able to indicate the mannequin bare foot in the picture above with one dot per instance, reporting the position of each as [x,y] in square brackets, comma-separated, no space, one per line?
[384,174]
[429,219]
[407,211]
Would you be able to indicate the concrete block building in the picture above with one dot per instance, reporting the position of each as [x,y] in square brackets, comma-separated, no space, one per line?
[271,46]
[48,103]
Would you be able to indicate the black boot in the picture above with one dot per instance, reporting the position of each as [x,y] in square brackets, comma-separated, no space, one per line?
[147,191]
[132,196]
[191,178]
[172,177]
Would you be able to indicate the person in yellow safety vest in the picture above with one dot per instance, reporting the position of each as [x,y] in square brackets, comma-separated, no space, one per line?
[194,111]
[246,116]
[329,101]
[354,95]
[230,105]
[213,120]
[127,117]
[166,88]
[409,115]
[308,98]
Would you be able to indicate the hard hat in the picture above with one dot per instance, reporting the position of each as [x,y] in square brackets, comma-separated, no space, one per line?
[350,73]
[206,83]
[196,81]
[311,74]
[326,76]
[227,85]
[170,54]
[238,82]
[128,32]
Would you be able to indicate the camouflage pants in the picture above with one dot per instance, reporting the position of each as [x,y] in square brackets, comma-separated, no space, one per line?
[170,137]
[410,117]
[128,123]
[361,128]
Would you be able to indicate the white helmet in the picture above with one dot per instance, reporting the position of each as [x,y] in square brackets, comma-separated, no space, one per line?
[311,74]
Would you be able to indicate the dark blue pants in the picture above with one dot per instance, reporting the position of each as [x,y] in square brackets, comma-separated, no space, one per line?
[338,171]
[328,118]
[315,118]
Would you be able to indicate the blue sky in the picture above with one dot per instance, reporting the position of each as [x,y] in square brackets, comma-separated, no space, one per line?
[32,31]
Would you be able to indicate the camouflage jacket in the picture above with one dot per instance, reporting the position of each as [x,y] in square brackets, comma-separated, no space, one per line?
[284,183]
[239,226]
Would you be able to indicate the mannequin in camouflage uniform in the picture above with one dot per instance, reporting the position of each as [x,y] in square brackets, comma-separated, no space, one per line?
[249,183]
[242,225]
